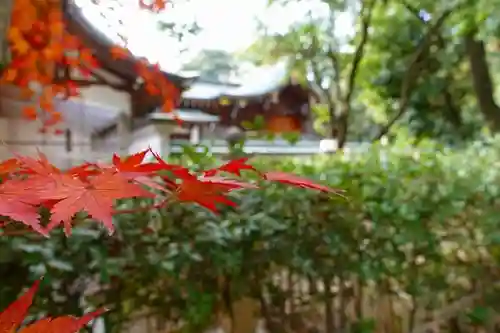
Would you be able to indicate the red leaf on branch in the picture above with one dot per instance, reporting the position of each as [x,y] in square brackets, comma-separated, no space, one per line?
[208,192]
[134,163]
[9,166]
[40,166]
[30,113]
[234,166]
[12,317]
[65,324]
[118,52]
[18,204]
[177,170]
[291,179]
[96,197]
[83,171]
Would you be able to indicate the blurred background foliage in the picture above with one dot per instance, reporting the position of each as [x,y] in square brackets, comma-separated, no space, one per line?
[419,227]
[428,67]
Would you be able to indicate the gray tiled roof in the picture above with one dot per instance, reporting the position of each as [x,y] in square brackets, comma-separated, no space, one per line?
[262,81]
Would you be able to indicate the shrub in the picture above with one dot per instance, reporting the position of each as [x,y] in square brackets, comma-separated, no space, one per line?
[418,226]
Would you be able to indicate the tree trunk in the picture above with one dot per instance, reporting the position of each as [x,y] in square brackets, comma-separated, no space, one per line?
[339,125]
[481,80]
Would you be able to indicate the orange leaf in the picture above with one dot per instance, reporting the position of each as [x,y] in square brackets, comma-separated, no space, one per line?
[9,75]
[30,113]
[118,52]
[8,166]
[12,317]
[154,5]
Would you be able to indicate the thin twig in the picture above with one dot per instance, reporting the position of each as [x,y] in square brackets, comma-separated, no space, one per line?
[413,72]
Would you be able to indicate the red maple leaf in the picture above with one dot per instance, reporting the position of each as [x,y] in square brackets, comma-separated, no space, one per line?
[208,192]
[234,166]
[133,164]
[19,204]
[40,166]
[84,171]
[12,317]
[96,197]
[64,324]
[291,179]
[9,166]
[176,170]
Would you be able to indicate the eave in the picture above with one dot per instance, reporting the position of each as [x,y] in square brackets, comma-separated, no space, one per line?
[94,39]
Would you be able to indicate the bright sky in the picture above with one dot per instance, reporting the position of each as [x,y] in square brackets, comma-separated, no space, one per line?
[229,25]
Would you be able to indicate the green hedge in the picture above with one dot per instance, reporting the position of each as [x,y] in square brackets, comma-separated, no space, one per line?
[419,221]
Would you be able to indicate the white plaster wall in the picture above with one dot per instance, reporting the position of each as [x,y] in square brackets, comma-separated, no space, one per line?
[144,138]
[23,137]
[107,96]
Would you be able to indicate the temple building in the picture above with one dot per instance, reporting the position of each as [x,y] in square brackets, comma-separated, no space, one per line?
[212,112]
[216,110]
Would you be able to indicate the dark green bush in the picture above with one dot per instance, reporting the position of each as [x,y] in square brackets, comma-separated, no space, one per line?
[420,223]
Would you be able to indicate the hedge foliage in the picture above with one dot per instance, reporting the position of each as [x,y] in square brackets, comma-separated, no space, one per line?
[418,223]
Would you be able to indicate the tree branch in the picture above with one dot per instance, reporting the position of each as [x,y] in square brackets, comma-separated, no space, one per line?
[413,72]
[358,54]
[412,10]
[332,55]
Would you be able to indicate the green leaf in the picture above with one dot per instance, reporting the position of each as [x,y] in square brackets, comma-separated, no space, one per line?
[479,315]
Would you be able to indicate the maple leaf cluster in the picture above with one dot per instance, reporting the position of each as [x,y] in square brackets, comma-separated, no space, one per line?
[41,48]
[12,317]
[93,188]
